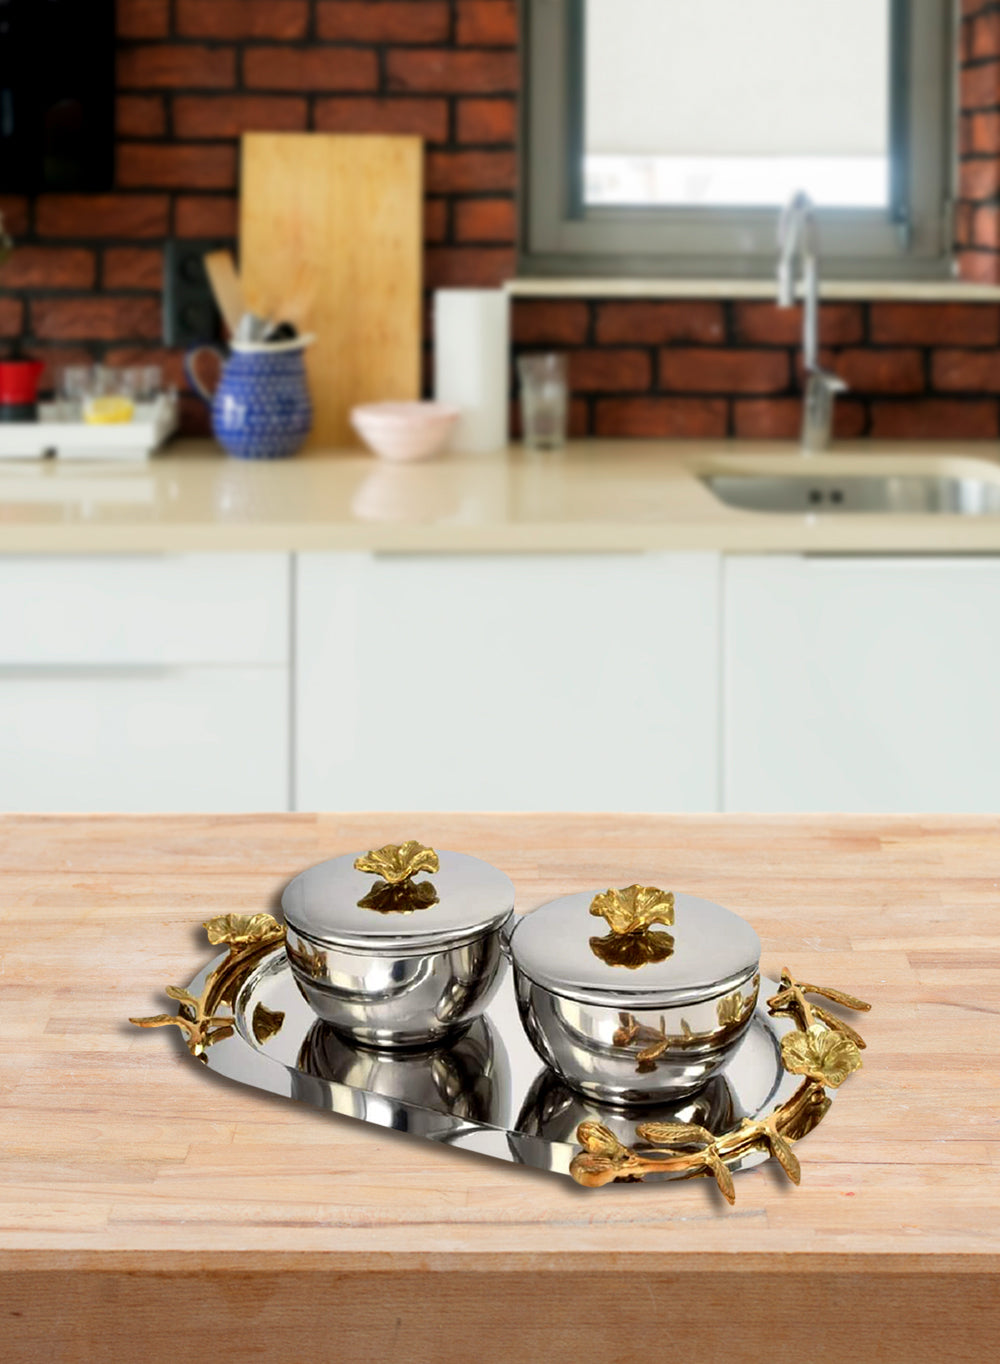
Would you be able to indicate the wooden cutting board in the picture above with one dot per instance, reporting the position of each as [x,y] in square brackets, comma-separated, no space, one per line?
[331,233]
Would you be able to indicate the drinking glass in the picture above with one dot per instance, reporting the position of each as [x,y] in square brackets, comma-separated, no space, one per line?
[544,400]
[110,396]
[74,385]
[145,381]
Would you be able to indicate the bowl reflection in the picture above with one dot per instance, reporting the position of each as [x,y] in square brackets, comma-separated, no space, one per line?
[468,1079]
[554,1111]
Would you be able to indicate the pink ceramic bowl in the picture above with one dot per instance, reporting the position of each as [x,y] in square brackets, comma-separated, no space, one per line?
[404,431]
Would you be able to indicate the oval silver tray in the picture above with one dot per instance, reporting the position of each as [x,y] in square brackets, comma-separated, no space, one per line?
[487,1092]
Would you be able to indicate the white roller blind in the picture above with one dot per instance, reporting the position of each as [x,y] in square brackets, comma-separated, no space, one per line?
[737,78]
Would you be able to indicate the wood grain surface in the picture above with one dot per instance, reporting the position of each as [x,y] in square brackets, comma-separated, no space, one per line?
[331,233]
[145,1203]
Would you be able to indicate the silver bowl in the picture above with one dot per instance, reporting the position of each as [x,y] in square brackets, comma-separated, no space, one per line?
[617,1055]
[644,1016]
[398,962]
[395,1000]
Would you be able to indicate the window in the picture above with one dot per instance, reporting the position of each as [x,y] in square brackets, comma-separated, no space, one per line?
[663,136]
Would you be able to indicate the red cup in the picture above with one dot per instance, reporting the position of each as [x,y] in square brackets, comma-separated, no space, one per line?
[19,382]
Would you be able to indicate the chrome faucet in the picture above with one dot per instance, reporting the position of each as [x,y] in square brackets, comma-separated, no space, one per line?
[797,234]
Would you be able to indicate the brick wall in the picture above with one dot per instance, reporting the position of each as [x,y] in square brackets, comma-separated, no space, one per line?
[977,215]
[194,74]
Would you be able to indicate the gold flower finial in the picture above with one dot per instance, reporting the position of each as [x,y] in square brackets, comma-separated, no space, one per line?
[397,862]
[633,909]
[629,914]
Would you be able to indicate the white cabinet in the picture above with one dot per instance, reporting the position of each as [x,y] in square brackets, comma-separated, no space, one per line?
[107,609]
[507,682]
[864,684]
[135,739]
[144,682]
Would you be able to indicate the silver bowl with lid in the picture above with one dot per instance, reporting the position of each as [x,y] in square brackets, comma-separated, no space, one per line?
[400,946]
[648,1010]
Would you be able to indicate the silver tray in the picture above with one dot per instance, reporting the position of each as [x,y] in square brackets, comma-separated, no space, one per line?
[244,1018]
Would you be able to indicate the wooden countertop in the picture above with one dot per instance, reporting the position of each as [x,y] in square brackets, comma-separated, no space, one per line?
[598,495]
[143,1201]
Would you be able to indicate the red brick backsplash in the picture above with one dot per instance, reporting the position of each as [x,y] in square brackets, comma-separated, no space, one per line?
[195,74]
[913,368]
[976,223]
[286,20]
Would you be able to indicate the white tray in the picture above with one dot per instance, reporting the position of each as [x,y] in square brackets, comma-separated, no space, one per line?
[152,424]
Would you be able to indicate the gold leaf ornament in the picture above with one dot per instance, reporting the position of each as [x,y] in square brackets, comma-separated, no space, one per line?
[732,1009]
[599,1140]
[633,909]
[397,862]
[820,1053]
[675,1134]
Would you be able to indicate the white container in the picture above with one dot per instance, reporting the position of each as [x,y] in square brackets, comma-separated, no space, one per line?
[153,424]
[472,365]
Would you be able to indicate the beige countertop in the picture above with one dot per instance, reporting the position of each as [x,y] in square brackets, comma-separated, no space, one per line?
[597,495]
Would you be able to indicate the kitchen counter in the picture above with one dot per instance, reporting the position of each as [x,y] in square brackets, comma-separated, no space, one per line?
[598,495]
[149,1210]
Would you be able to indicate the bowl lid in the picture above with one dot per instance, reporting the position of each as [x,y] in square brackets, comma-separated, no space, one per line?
[400,896]
[639,947]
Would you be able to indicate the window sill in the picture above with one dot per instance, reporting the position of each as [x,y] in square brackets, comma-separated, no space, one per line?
[913,290]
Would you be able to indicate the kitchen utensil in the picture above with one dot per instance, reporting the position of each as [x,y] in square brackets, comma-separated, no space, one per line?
[260,407]
[226,288]
[392,959]
[342,216]
[645,1011]
[404,431]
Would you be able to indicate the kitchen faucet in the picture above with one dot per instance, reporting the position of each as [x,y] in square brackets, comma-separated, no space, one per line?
[797,233]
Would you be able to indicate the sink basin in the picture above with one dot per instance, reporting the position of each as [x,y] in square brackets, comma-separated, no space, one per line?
[832,494]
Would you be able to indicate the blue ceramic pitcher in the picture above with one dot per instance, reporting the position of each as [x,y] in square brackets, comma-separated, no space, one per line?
[261,407]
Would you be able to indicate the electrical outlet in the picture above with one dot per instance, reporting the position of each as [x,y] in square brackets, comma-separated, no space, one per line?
[190,316]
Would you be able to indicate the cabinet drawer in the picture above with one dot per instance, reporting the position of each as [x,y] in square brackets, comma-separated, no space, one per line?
[143,608]
[144,739]
[507,682]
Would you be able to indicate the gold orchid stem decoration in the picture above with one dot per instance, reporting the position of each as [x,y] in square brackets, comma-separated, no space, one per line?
[248,938]
[822,1048]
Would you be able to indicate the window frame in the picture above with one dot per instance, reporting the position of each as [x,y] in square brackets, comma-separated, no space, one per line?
[561,236]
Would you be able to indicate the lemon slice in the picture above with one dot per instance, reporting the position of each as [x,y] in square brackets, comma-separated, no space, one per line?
[108,410]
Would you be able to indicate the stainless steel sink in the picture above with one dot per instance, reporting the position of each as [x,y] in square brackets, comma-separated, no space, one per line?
[832,494]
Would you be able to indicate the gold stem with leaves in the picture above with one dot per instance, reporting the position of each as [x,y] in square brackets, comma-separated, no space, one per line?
[822,1048]
[248,938]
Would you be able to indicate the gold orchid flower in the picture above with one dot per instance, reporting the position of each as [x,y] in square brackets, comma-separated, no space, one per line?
[820,1053]
[242,930]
